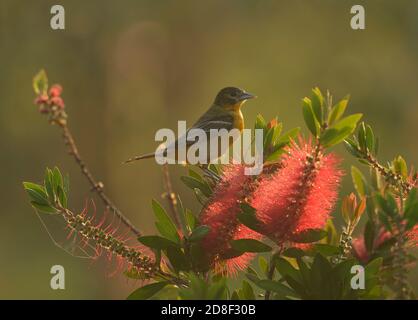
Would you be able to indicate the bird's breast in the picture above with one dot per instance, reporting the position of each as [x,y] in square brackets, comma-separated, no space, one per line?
[239,120]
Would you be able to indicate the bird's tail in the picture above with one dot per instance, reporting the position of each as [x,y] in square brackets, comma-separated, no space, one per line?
[144,156]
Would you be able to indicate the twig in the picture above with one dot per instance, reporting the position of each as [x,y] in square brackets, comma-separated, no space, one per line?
[394,179]
[170,195]
[107,241]
[97,186]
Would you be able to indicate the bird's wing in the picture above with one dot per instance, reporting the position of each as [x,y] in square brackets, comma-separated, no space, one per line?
[221,121]
[212,119]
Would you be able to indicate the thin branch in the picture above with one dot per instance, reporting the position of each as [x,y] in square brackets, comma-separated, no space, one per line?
[392,178]
[170,195]
[144,264]
[97,186]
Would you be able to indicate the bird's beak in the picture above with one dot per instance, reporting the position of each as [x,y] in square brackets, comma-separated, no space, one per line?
[246,96]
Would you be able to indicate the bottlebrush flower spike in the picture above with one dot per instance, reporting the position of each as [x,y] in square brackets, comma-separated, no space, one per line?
[221,216]
[300,195]
[412,236]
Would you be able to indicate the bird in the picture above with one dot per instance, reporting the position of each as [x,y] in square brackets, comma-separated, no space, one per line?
[224,113]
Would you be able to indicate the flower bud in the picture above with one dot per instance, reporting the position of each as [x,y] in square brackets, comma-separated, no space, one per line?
[41,99]
[55,90]
[57,101]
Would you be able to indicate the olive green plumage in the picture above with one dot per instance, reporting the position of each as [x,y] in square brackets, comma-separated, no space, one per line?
[225,113]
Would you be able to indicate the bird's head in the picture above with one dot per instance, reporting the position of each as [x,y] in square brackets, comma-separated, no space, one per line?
[231,97]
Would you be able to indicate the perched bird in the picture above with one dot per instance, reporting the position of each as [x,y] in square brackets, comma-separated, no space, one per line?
[225,113]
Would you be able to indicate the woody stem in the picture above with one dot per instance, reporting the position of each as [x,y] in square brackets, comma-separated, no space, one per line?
[171,196]
[97,186]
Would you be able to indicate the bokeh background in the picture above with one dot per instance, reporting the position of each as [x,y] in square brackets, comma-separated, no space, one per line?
[131,67]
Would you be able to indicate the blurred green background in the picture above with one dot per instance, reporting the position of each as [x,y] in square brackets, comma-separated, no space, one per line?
[131,67]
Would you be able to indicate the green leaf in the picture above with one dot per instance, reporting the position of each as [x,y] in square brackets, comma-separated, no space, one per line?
[388,205]
[296,286]
[352,148]
[332,237]
[332,136]
[373,267]
[348,122]
[400,166]
[199,233]
[320,277]
[230,254]
[294,253]
[182,216]
[191,219]
[217,290]
[196,184]
[62,197]
[369,235]
[317,104]
[385,221]
[200,196]
[412,216]
[411,208]
[359,181]
[57,179]
[338,111]
[286,269]
[264,265]
[288,135]
[164,223]
[195,175]
[260,123]
[340,130]
[361,135]
[327,249]
[277,130]
[305,272]
[214,168]
[247,291]
[43,208]
[234,295]
[309,117]
[249,245]
[49,185]
[156,242]
[40,83]
[247,217]
[270,285]
[136,274]
[268,139]
[370,139]
[310,235]
[275,286]
[177,259]
[275,155]
[147,291]
[37,193]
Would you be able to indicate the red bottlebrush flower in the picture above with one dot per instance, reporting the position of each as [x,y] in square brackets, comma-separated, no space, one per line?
[55,90]
[300,195]
[359,250]
[413,236]
[221,216]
